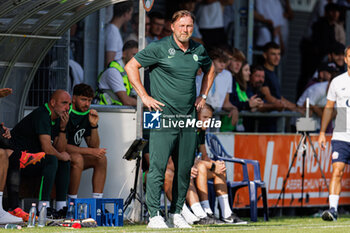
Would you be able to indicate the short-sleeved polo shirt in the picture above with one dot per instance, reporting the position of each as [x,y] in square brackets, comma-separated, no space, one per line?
[173,73]
[25,134]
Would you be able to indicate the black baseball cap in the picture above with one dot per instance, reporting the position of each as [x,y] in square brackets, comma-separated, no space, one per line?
[337,48]
[331,67]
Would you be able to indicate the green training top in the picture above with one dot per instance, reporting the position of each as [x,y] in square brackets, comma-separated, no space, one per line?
[173,73]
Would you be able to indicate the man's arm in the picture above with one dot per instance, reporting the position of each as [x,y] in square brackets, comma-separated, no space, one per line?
[326,118]
[60,142]
[93,140]
[45,141]
[125,99]
[132,69]
[98,152]
[207,81]
[274,103]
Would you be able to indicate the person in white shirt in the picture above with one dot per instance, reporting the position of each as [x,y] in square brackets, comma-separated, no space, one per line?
[219,94]
[338,94]
[113,39]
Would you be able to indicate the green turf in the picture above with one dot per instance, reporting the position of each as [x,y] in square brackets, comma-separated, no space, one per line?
[275,225]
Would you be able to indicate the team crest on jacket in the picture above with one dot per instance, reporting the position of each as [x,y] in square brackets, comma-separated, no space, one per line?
[78,136]
[171,51]
[195,57]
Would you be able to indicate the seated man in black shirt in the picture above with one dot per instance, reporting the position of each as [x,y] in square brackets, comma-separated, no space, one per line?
[43,130]
[83,124]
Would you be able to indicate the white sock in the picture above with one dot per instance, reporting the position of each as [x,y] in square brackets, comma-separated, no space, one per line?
[333,201]
[41,204]
[1,193]
[97,195]
[225,206]
[60,205]
[198,210]
[72,196]
[206,207]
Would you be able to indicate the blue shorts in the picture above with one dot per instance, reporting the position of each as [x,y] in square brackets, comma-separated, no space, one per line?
[340,151]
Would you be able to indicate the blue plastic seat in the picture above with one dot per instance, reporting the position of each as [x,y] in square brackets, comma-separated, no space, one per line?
[219,153]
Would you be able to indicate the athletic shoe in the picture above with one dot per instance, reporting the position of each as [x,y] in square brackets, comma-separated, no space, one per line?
[330,215]
[189,217]
[207,221]
[233,219]
[6,218]
[177,221]
[28,158]
[157,222]
[18,212]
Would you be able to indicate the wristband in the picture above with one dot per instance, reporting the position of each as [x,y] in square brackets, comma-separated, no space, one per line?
[94,127]
[212,167]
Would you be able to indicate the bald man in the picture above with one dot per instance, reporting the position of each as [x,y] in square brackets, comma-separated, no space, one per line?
[43,130]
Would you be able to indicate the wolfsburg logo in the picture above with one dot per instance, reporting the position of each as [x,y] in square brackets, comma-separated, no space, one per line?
[152,120]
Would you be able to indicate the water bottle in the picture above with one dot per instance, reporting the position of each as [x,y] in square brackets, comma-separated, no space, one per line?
[13,226]
[32,216]
[70,211]
[42,216]
[82,210]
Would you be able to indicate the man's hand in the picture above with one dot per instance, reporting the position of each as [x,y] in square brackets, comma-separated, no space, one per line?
[64,120]
[199,104]
[64,156]
[322,140]
[194,172]
[5,92]
[220,167]
[7,133]
[151,103]
[234,116]
[98,152]
[93,117]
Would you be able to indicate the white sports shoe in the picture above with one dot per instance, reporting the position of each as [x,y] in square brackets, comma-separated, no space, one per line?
[157,222]
[177,221]
[189,217]
[6,217]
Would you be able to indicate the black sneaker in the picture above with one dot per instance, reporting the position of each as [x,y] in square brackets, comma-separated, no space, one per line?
[233,219]
[206,221]
[62,213]
[52,213]
[330,215]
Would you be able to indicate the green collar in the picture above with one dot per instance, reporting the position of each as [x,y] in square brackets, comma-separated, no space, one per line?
[77,112]
[50,113]
[173,43]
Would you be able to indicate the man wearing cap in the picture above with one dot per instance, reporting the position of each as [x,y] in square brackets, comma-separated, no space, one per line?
[174,62]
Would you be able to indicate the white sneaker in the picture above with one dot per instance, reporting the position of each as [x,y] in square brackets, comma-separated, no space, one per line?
[6,217]
[157,222]
[189,217]
[177,221]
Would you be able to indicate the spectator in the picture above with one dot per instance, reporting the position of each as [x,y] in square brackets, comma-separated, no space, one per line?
[255,85]
[317,95]
[44,129]
[235,63]
[211,23]
[113,83]
[83,123]
[135,27]
[240,99]
[156,28]
[166,29]
[218,96]
[271,87]
[114,42]
[270,13]
[336,55]
[324,73]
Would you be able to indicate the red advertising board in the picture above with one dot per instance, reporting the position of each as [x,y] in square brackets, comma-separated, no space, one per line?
[275,154]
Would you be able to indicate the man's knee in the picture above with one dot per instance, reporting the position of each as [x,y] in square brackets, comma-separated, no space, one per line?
[202,169]
[3,155]
[102,161]
[77,161]
[338,173]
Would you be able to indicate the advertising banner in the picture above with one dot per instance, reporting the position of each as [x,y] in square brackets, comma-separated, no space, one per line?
[275,154]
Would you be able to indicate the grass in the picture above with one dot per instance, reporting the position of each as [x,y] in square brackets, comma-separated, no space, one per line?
[275,225]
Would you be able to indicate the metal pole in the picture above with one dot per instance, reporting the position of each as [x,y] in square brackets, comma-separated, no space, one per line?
[138,206]
[250,31]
